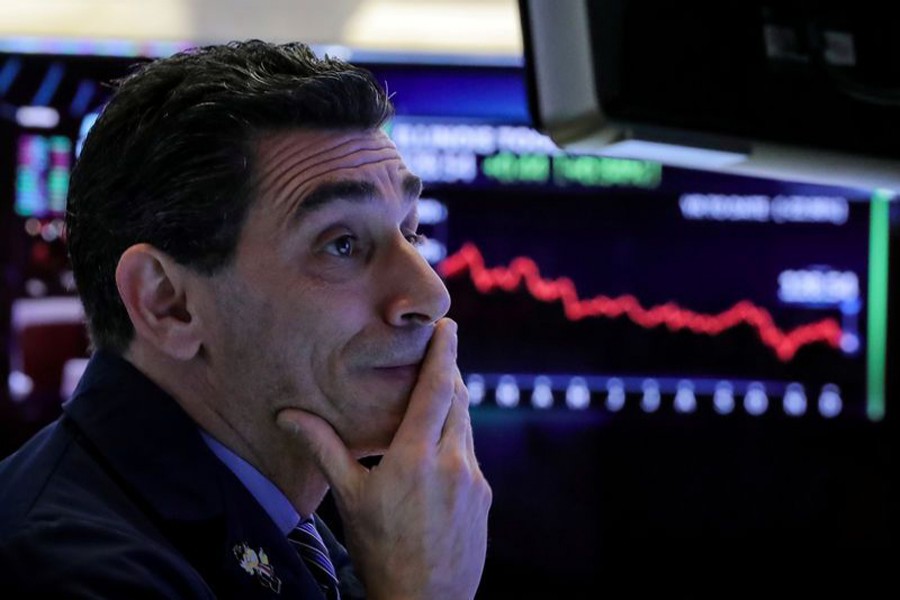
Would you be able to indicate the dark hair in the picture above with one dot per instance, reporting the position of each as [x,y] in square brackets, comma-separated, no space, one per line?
[170,163]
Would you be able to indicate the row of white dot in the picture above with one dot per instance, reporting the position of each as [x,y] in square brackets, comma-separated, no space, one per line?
[578,396]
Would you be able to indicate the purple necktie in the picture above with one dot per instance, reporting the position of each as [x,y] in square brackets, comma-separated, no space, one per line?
[309,545]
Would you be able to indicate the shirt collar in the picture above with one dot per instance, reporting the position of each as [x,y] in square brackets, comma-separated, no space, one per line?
[272,499]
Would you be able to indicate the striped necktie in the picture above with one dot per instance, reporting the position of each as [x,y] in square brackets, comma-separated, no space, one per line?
[309,545]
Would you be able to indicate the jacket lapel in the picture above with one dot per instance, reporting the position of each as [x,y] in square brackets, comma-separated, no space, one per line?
[155,451]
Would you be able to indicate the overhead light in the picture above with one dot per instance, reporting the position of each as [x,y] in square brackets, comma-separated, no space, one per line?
[161,19]
[671,154]
[489,27]
[37,117]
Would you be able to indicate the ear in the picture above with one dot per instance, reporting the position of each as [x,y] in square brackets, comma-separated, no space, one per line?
[153,288]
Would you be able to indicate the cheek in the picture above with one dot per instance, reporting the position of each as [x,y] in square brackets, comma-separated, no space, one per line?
[333,339]
[335,336]
[336,318]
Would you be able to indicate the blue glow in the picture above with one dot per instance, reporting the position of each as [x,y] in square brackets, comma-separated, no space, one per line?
[507,392]
[475,385]
[86,123]
[49,85]
[83,95]
[20,386]
[685,400]
[456,93]
[578,395]
[24,45]
[757,396]
[8,73]
[433,251]
[542,395]
[670,154]
[755,400]
[830,403]
[431,211]
[850,343]
[651,399]
[615,394]
[795,400]
[37,117]
[90,47]
[723,398]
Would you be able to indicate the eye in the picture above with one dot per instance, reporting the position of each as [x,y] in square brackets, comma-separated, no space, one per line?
[344,246]
[416,239]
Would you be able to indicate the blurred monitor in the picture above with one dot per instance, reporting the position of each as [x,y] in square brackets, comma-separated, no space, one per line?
[790,89]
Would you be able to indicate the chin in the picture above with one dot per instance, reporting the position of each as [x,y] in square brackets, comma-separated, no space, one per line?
[369,450]
[376,442]
[368,429]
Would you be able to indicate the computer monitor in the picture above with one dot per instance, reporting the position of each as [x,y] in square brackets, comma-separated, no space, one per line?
[793,90]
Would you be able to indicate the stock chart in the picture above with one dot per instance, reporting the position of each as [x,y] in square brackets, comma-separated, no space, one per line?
[601,283]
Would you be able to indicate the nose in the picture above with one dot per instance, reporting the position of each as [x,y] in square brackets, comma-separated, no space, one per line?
[414,293]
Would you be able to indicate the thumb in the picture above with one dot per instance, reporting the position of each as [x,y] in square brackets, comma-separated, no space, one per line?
[327,449]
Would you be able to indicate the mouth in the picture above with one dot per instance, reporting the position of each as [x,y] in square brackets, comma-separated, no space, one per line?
[401,373]
[399,369]
[402,359]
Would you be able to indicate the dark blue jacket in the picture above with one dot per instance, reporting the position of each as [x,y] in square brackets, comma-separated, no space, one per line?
[121,498]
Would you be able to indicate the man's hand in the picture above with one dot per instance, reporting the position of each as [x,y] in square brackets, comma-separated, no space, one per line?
[416,525]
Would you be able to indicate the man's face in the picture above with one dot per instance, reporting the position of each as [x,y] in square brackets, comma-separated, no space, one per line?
[328,305]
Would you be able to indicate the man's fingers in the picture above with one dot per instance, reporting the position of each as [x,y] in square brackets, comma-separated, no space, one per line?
[430,400]
[331,455]
[458,423]
[457,436]
[467,434]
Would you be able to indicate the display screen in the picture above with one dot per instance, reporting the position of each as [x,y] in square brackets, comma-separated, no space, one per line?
[603,283]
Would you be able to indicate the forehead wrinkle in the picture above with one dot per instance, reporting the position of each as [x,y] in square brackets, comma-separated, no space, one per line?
[351,189]
[286,165]
[286,190]
[288,162]
[339,190]
[278,163]
[340,142]
[355,191]
[283,157]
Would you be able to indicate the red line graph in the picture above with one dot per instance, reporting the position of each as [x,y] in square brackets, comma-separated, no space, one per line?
[785,344]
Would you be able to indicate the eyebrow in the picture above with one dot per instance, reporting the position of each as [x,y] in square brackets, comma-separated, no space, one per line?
[350,190]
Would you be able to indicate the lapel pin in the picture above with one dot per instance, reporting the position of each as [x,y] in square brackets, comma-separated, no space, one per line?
[257,563]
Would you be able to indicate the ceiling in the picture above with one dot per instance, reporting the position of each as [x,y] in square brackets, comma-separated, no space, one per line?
[455,26]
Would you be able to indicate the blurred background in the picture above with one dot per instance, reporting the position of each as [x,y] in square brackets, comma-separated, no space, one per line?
[464,26]
[676,374]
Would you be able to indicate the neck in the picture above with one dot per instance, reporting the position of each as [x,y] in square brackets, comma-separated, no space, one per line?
[255,438]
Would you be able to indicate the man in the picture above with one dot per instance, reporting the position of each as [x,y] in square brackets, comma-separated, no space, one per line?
[243,237]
